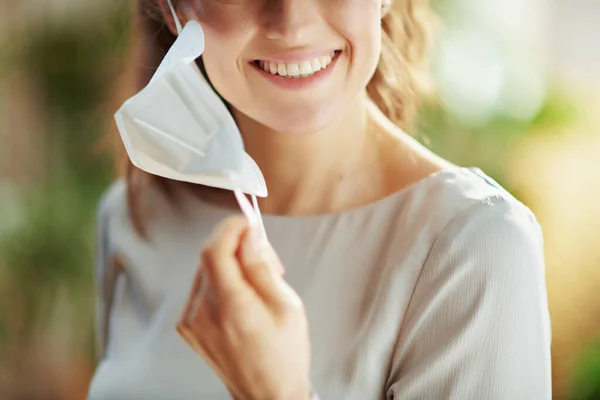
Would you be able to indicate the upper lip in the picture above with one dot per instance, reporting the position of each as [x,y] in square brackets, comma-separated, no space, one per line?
[296,56]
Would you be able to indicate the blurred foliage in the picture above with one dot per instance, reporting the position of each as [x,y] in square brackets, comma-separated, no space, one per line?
[586,381]
[51,250]
[486,146]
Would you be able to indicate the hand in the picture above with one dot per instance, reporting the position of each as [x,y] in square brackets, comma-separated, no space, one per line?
[244,319]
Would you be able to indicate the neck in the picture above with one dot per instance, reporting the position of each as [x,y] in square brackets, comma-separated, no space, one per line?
[303,171]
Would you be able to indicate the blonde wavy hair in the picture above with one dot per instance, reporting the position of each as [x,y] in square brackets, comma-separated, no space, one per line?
[397,87]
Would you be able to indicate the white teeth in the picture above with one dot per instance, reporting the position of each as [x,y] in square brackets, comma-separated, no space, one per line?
[281,69]
[306,68]
[296,70]
[272,68]
[325,60]
[293,70]
[315,65]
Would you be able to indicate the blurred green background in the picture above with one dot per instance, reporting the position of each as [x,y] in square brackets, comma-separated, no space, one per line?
[517,96]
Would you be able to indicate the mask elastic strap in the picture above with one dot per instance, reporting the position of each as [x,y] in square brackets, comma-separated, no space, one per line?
[257,211]
[251,212]
[175,17]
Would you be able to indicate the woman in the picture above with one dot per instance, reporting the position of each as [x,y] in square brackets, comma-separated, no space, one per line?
[406,277]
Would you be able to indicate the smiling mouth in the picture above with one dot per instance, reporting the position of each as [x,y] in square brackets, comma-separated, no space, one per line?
[297,70]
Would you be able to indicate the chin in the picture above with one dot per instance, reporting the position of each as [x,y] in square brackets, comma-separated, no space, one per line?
[300,120]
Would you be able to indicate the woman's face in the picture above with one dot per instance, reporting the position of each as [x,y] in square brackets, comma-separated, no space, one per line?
[291,65]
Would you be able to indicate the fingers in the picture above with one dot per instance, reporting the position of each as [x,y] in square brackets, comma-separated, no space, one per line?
[262,268]
[219,260]
[255,248]
[235,243]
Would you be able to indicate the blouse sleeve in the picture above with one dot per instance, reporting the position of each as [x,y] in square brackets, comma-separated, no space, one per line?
[477,326]
[118,321]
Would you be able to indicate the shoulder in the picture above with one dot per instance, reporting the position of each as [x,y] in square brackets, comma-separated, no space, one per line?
[484,232]
[153,205]
[111,207]
[460,199]
[461,218]
[475,206]
[484,259]
[480,295]
[113,213]
[113,201]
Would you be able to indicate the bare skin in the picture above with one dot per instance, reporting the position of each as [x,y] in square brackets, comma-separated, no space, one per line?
[348,169]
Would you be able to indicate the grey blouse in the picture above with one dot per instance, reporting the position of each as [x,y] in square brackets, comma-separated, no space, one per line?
[434,292]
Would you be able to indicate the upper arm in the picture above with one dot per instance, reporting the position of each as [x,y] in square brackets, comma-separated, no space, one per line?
[101,263]
[117,318]
[477,326]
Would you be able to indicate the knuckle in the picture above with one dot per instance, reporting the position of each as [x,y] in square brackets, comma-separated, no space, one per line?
[233,220]
[183,327]
[259,268]
[231,223]
[199,331]
[207,256]
[213,252]
[198,315]
[292,309]
[187,333]
[193,321]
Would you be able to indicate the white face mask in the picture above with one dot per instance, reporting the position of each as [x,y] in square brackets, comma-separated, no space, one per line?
[178,127]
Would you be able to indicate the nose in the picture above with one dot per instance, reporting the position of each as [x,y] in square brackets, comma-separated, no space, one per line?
[290,21]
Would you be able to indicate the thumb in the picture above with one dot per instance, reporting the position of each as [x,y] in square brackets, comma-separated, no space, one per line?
[261,266]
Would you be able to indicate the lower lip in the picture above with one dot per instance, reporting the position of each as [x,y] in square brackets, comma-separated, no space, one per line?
[308,82]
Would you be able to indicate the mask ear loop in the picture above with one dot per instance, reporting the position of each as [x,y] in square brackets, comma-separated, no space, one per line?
[252,213]
[259,216]
[175,17]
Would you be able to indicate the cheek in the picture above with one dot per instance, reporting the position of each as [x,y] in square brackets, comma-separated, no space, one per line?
[359,22]
[221,54]
[227,33]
